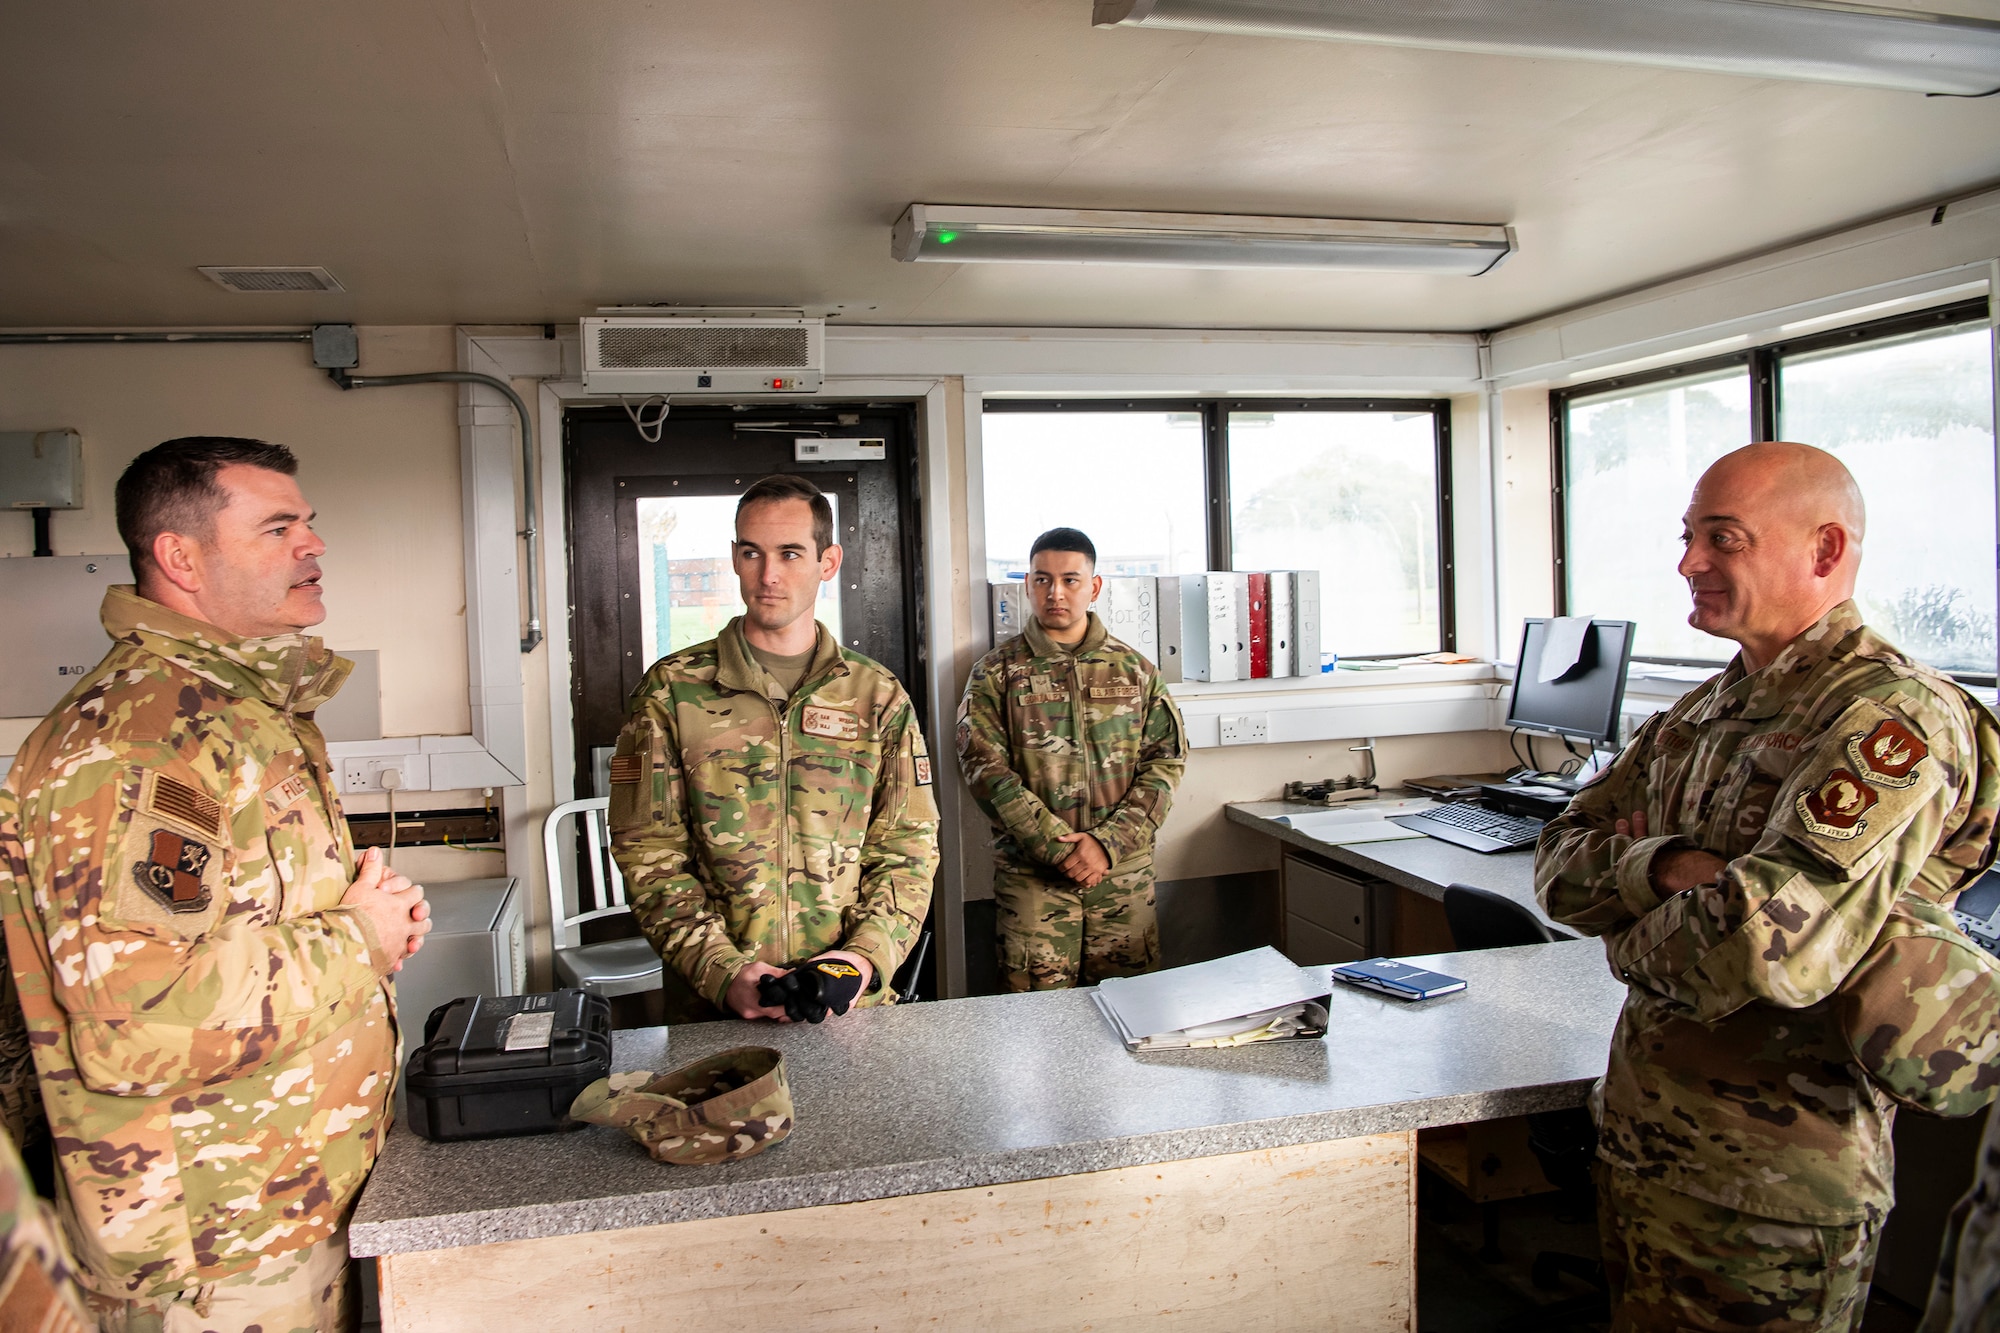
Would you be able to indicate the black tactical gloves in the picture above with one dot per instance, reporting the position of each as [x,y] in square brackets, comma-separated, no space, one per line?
[810,990]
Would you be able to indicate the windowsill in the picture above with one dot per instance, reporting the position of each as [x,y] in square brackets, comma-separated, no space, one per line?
[1414,673]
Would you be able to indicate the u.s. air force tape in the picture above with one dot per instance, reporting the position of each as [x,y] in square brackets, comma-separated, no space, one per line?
[719,1109]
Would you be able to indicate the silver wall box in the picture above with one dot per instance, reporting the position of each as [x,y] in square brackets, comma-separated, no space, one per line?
[477,946]
[49,605]
[41,469]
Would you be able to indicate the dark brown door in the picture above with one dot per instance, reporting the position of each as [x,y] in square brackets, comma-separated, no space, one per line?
[649,529]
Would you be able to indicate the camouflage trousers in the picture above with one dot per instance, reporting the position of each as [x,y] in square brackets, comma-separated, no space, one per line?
[1053,934]
[306,1291]
[1676,1262]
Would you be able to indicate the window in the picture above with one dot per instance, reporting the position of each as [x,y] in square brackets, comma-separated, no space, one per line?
[1131,480]
[1358,490]
[1906,403]
[1912,418]
[1633,457]
[687,591]
[1353,493]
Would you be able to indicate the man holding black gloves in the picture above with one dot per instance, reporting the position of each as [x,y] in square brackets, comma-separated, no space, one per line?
[771,799]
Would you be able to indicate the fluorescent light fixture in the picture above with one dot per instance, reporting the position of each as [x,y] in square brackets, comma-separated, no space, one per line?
[966,234]
[1821,41]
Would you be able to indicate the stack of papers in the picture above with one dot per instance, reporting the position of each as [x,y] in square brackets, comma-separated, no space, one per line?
[1247,997]
[1363,821]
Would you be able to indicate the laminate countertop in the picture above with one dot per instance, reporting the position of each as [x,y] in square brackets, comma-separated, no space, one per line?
[956,1094]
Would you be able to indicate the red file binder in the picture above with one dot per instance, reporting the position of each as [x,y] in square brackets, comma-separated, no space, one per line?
[1260,626]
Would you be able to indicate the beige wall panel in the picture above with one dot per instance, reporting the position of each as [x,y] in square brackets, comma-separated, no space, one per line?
[380,465]
[1321,1236]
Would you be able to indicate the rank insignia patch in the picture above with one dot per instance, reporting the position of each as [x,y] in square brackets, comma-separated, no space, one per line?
[171,876]
[1888,756]
[1834,809]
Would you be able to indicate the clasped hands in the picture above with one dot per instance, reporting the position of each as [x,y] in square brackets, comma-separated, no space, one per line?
[1087,862]
[392,904]
[1679,869]
[786,995]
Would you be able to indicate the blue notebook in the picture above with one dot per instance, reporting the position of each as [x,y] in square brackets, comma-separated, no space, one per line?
[1398,979]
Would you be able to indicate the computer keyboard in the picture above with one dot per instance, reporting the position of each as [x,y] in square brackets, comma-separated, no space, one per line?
[1468,824]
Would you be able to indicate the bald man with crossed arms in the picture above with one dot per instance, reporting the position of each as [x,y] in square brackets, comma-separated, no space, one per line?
[1740,857]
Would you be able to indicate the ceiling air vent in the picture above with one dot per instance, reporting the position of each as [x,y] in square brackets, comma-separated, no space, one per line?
[272,278]
[693,353]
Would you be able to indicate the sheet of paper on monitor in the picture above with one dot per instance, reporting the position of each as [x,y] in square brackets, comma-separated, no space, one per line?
[1562,646]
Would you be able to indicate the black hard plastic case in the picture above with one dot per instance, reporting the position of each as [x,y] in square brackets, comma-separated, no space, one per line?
[512,1064]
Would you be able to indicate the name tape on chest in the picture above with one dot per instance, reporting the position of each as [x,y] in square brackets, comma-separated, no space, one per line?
[284,795]
[1838,806]
[830,723]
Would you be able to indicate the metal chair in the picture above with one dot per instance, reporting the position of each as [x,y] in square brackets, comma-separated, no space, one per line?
[610,967]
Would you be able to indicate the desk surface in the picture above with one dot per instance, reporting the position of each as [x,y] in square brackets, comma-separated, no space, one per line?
[1422,865]
[957,1094]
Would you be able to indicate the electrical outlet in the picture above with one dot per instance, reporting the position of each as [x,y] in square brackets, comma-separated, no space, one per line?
[365,774]
[1245,728]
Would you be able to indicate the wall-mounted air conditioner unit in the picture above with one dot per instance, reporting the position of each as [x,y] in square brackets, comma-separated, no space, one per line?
[703,354]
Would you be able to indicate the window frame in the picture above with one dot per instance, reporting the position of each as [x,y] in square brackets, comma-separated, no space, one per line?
[1764,363]
[1214,412]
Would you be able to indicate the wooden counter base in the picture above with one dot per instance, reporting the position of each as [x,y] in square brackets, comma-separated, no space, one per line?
[1321,1236]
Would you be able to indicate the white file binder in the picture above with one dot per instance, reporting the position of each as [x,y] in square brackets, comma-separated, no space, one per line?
[1129,607]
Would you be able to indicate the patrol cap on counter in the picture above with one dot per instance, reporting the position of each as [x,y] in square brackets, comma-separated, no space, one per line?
[718,1109]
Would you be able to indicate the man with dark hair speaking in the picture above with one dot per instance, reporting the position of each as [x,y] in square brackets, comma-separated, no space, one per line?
[1073,750]
[771,793]
[200,959]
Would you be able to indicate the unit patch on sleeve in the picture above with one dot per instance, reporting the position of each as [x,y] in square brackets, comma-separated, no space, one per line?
[831,723]
[172,873]
[1836,807]
[1888,756]
[923,770]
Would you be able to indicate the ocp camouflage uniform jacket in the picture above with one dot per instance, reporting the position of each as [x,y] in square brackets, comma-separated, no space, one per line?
[1055,740]
[751,827]
[212,1030]
[1843,783]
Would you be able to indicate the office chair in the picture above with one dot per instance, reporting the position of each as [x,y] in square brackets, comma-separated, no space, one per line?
[1564,1142]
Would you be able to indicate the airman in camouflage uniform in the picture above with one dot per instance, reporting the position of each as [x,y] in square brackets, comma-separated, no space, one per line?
[1965,1298]
[752,825]
[1058,740]
[1836,791]
[38,1288]
[212,1029]
[202,972]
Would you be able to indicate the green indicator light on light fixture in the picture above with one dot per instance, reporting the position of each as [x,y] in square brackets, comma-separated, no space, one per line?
[947,237]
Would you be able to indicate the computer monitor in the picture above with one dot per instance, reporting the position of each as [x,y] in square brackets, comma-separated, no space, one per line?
[1582,702]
